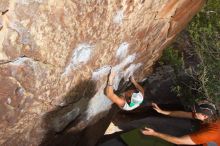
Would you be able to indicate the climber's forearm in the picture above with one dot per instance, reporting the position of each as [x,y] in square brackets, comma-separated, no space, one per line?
[176,140]
[138,86]
[109,91]
[109,88]
[113,97]
[179,114]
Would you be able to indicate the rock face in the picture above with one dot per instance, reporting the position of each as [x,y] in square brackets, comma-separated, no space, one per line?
[55,56]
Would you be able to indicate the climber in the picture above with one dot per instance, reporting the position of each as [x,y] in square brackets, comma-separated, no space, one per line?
[128,100]
[208,133]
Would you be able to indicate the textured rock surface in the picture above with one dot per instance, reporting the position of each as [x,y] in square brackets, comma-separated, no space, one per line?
[55,56]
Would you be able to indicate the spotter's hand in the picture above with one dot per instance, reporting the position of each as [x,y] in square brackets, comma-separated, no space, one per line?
[148,131]
[156,108]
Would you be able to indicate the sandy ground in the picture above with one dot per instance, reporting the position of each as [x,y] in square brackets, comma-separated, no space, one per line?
[112,128]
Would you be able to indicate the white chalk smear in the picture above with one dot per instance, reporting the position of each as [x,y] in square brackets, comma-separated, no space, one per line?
[19,61]
[97,74]
[27,2]
[124,63]
[98,104]
[130,70]
[120,67]
[81,55]
[9,100]
[118,18]
[122,50]
[21,91]
[25,36]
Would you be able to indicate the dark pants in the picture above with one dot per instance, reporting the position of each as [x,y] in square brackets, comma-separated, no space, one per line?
[114,142]
[164,124]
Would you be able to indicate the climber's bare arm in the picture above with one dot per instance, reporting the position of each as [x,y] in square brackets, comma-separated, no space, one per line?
[137,85]
[180,114]
[110,92]
[113,97]
[183,140]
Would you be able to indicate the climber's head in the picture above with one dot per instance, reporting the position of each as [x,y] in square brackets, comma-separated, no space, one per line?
[205,111]
[136,99]
[133,98]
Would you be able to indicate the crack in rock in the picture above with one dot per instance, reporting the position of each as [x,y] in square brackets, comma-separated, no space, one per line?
[22,58]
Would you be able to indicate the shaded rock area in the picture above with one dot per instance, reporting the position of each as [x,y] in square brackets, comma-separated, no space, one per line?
[55,57]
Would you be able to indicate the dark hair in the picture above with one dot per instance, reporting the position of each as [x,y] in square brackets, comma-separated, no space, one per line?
[208,108]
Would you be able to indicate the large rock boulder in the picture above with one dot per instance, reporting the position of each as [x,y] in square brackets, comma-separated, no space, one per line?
[55,56]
